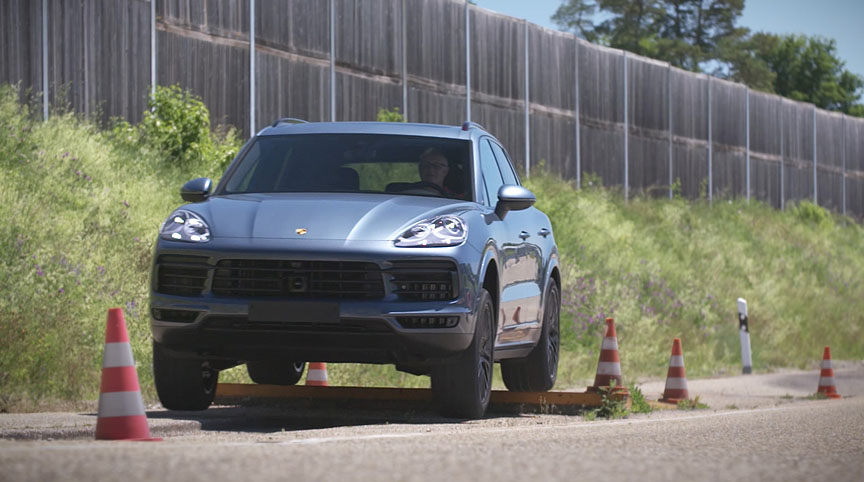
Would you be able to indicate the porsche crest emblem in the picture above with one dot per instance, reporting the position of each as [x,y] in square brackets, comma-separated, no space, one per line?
[301,231]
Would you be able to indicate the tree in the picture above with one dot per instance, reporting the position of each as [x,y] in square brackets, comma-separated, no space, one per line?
[702,35]
[803,68]
[738,61]
[685,33]
[577,16]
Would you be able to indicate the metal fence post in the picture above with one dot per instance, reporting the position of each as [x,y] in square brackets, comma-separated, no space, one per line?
[527,107]
[782,155]
[576,118]
[85,34]
[669,109]
[815,180]
[843,155]
[45,59]
[747,136]
[152,49]
[404,66]
[467,60]
[710,149]
[626,134]
[252,68]
[332,63]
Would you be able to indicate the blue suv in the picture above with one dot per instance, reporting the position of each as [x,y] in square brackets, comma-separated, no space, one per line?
[359,242]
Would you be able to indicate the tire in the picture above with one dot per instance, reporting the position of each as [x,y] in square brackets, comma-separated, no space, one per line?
[537,372]
[462,389]
[275,373]
[183,384]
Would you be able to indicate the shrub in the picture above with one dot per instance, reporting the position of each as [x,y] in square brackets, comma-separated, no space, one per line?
[638,402]
[393,115]
[177,125]
[811,213]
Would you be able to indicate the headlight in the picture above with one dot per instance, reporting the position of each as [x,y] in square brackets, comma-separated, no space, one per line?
[440,231]
[185,226]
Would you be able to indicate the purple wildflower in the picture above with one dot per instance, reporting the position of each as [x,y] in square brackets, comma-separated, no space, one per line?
[39,270]
[101,269]
[60,291]
[126,203]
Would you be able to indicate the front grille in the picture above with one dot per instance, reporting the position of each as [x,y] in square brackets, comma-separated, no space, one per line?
[345,325]
[181,275]
[424,280]
[268,278]
[414,322]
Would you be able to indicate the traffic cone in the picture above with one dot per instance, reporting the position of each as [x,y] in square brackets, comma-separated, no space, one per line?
[316,375]
[609,366]
[826,378]
[676,379]
[121,411]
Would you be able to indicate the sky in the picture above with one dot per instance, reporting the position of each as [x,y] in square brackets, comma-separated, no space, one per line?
[842,20]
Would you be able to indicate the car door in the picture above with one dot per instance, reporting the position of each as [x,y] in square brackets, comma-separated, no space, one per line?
[520,295]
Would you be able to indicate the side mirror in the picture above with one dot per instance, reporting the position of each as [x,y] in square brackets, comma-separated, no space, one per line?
[513,198]
[196,190]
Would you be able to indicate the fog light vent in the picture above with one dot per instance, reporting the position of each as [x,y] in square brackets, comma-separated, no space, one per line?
[176,316]
[415,322]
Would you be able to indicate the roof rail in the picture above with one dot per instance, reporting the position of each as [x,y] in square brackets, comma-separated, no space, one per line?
[468,124]
[289,120]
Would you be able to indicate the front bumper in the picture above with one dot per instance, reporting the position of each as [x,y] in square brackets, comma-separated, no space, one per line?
[368,331]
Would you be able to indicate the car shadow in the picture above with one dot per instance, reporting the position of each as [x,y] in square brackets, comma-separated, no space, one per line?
[276,416]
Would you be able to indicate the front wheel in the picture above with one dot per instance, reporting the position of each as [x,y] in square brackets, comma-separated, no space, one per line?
[462,389]
[537,372]
[183,384]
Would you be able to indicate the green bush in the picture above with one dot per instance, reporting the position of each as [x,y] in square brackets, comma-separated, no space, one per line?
[811,213]
[393,115]
[177,125]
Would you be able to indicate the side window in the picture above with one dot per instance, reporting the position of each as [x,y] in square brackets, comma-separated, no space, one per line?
[504,164]
[491,174]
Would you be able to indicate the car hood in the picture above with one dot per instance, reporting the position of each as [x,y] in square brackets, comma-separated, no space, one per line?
[343,216]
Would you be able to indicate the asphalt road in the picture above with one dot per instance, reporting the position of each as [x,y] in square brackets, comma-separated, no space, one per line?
[769,433]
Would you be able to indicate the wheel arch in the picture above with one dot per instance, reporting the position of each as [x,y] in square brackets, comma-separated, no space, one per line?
[553,275]
[491,282]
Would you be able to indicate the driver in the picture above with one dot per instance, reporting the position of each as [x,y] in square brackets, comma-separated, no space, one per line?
[434,168]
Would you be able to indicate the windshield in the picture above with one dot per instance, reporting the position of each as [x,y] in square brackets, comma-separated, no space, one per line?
[374,163]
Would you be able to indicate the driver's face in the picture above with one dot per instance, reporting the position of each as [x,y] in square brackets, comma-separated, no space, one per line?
[434,169]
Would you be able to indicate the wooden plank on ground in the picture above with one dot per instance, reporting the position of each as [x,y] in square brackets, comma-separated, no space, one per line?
[552,401]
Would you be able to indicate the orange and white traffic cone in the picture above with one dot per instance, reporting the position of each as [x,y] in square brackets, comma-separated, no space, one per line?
[676,378]
[316,375]
[121,411]
[609,366]
[826,378]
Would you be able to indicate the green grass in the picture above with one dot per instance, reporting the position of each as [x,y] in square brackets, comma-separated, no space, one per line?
[669,269]
[692,404]
[638,404]
[81,207]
